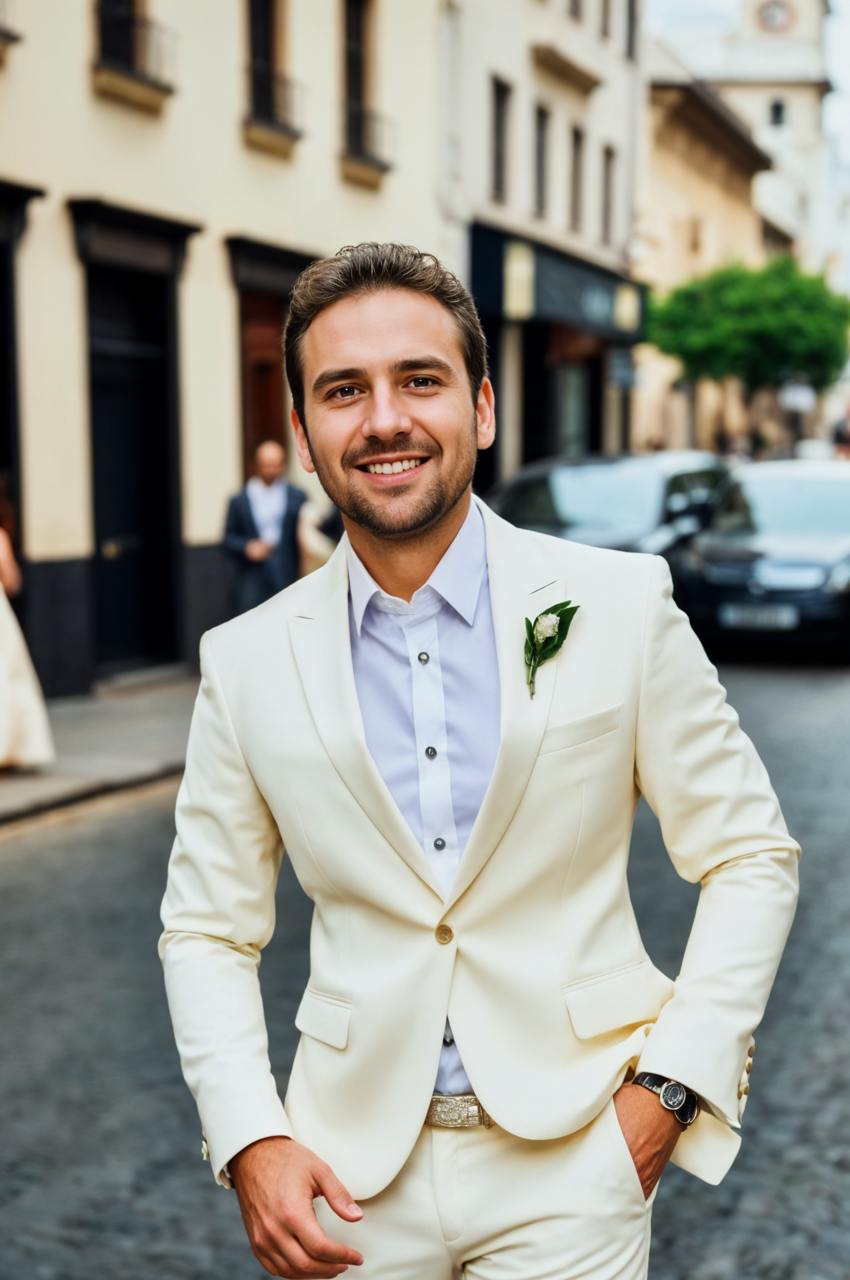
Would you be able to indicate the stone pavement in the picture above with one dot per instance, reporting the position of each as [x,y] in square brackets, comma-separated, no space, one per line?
[102,1175]
[127,733]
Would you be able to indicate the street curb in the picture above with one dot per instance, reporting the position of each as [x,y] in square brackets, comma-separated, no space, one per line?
[92,791]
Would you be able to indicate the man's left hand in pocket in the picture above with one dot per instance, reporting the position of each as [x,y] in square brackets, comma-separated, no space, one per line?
[650,1131]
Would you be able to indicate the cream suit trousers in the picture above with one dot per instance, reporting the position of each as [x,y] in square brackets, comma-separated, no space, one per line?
[484,1205]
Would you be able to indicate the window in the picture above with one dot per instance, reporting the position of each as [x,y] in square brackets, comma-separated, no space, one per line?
[117,21]
[778,115]
[692,491]
[605,19]
[609,160]
[631,29]
[541,147]
[355,76]
[501,106]
[263,40]
[366,133]
[576,178]
[132,48]
[271,122]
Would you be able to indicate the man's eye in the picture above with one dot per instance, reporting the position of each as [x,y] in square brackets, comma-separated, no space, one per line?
[343,393]
[423,380]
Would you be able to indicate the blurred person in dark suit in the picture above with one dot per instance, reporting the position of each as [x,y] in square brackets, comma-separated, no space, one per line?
[271,533]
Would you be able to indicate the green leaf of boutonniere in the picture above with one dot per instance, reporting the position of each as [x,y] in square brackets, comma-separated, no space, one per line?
[545,635]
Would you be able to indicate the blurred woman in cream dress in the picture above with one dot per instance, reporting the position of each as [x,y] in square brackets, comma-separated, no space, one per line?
[25,738]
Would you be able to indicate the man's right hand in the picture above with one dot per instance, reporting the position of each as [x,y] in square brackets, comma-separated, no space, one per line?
[277,1180]
[257,549]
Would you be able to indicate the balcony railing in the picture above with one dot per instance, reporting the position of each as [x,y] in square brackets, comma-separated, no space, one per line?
[367,137]
[274,100]
[135,46]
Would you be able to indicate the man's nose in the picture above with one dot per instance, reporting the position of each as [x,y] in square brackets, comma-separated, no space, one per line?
[386,414]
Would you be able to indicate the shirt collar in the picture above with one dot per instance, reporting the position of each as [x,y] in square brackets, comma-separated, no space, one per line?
[256,485]
[457,578]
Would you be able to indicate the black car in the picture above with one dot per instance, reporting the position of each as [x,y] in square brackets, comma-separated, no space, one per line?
[776,556]
[649,502]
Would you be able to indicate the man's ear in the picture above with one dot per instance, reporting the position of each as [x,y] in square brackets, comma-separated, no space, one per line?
[304,455]
[485,415]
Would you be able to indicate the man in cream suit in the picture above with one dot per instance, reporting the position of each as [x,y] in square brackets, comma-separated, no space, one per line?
[489,1061]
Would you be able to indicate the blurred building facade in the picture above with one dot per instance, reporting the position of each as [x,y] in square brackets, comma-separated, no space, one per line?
[697,211]
[541,124]
[166,169]
[770,67]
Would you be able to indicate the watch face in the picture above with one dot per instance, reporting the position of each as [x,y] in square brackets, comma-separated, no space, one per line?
[673,1095]
[687,1114]
[776,15]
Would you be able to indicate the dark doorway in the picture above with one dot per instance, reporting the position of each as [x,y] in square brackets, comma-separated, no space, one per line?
[135,504]
[537,439]
[264,401]
[562,392]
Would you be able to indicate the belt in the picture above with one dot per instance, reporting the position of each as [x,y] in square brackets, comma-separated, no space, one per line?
[457,1111]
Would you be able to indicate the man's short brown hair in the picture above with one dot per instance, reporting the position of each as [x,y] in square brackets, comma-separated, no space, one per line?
[366,268]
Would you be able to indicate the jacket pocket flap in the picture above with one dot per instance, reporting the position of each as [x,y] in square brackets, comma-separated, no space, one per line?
[574,732]
[325,1018]
[615,1000]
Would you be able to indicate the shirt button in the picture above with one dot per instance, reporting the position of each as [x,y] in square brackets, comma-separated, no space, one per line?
[430,752]
[443,934]
[423,657]
[439,843]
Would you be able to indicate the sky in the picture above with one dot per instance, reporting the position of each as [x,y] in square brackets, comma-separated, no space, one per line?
[720,14]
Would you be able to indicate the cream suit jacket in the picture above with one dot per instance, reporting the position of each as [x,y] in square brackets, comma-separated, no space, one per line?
[550,992]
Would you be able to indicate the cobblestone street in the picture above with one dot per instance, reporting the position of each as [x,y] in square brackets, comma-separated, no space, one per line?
[103,1176]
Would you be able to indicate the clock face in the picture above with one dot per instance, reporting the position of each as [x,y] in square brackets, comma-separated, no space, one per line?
[776,15]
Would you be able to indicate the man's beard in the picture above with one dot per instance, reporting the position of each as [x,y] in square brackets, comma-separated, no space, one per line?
[439,498]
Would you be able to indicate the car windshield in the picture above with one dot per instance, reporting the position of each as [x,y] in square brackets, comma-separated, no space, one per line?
[614,496]
[788,503]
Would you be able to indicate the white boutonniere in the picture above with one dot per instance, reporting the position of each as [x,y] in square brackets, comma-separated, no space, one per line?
[545,635]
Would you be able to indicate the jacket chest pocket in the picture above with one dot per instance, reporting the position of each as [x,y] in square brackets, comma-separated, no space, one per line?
[583,731]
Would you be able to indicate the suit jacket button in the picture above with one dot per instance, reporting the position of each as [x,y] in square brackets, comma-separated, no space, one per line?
[444,934]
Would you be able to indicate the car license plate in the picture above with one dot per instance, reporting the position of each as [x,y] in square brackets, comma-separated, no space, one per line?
[759,617]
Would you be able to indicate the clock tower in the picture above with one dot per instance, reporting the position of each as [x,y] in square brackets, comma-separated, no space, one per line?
[777,17]
[770,67]
[789,19]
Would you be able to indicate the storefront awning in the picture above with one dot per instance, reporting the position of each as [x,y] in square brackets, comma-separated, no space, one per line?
[515,278]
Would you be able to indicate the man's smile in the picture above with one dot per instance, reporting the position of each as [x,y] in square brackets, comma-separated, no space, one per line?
[391,471]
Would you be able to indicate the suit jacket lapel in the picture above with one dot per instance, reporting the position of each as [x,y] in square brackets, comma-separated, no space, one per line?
[520,587]
[322,648]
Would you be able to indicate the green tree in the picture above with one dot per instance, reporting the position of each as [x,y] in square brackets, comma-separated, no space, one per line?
[765,326]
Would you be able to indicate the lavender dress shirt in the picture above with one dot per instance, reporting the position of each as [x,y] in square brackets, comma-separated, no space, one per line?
[427,682]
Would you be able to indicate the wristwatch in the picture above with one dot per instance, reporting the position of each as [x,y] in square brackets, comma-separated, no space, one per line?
[673,1096]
